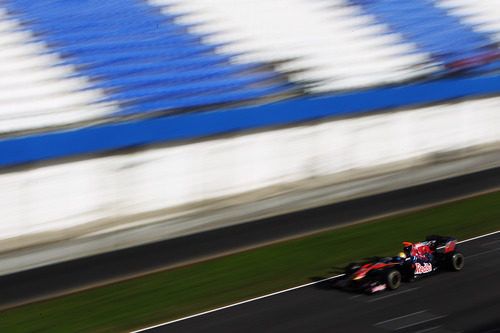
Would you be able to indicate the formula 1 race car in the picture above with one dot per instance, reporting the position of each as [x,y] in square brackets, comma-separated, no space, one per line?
[416,260]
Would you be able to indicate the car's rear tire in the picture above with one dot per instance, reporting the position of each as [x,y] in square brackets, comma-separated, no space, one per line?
[393,279]
[456,262]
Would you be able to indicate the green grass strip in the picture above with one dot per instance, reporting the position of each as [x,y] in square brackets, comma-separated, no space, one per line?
[188,290]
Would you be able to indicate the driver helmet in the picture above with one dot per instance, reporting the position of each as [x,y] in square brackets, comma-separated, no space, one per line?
[407,248]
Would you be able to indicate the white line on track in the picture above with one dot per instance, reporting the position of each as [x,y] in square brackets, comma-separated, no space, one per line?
[239,303]
[428,329]
[408,320]
[400,317]
[420,322]
[481,236]
[490,243]
[392,294]
[481,253]
[273,294]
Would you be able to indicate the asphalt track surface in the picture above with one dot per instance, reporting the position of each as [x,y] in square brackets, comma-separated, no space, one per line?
[49,281]
[465,301]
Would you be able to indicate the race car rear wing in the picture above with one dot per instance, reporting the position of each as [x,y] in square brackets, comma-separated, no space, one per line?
[443,244]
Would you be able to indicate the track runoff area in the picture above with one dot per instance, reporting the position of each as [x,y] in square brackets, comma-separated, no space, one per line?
[414,318]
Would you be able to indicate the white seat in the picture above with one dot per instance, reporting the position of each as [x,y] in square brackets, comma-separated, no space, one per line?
[324,41]
[35,91]
[485,14]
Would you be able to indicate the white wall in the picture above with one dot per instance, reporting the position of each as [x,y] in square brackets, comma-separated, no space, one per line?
[59,196]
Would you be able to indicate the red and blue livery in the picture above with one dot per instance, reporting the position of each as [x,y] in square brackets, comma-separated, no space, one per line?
[416,260]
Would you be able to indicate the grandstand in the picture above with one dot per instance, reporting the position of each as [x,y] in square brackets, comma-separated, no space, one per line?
[114,59]
[74,63]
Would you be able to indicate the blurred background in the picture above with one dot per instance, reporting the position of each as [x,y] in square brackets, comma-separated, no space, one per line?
[190,115]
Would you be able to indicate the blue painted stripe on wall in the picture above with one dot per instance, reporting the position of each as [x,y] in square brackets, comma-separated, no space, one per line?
[14,151]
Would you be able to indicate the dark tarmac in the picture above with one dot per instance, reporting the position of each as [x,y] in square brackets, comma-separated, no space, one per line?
[465,301]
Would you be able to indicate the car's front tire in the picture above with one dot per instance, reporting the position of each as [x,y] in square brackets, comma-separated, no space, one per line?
[393,279]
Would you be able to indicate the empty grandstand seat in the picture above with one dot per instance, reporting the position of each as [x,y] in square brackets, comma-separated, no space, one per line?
[433,28]
[85,60]
[193,101]
[117,52]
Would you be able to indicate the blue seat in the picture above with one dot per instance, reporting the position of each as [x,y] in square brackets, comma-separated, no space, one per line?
[138,79]
[429,27]
[490,67]
[449,44]
[167,44]
[65,17]
[415,19]
[105,42]
[165,47]
[177,105]
[89,14]
[132,68]
[93,25]
[462,55]
[139,56]
[71,5]
[75,36]
[187,88]
[156,54]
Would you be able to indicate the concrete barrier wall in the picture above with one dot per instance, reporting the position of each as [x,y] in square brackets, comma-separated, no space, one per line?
[60,196]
